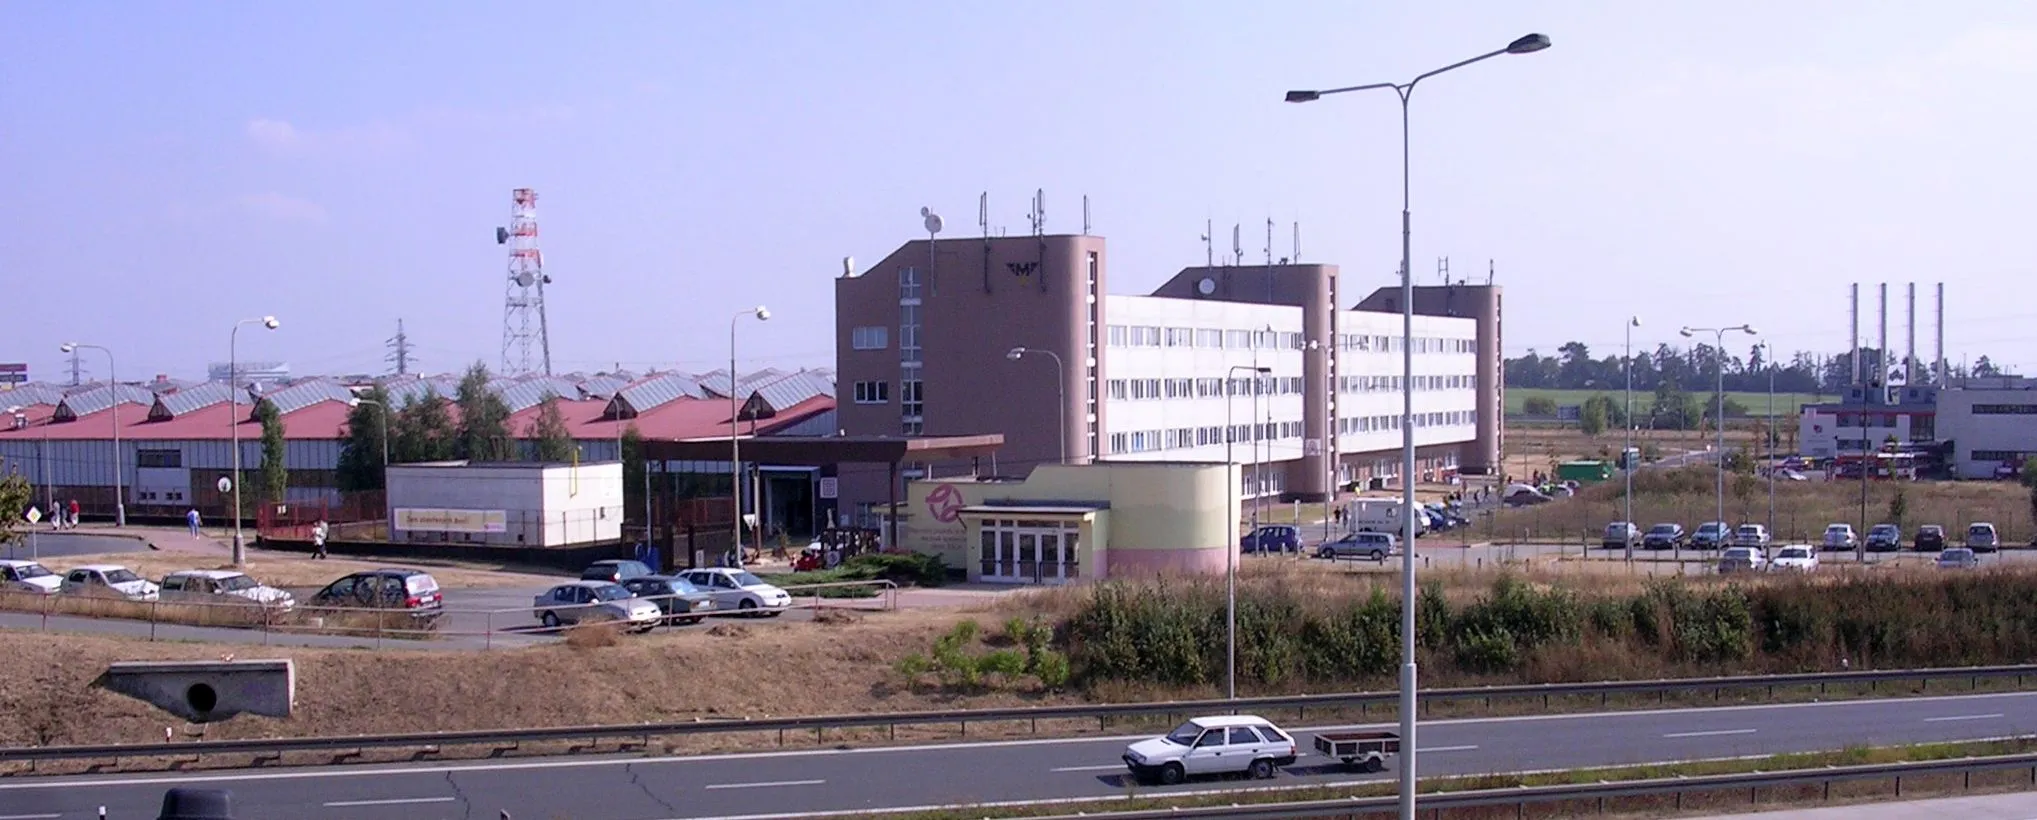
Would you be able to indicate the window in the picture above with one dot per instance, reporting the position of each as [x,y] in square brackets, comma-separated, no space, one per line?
[875,337]
[2004,409]
[159,458]
[1180,337]
[1119,335]
[1238,339]
[1119,389]
[908,283]
[873,392]
[1209,338]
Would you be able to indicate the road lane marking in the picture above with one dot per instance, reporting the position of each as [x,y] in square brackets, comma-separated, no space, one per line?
[768,784]
[1963,717]
[393,801]
[1062,769]
[324,773]
[1714,733]
[1446,749]
[29,816]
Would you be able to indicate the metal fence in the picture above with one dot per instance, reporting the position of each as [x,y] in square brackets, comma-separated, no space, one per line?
[818,724]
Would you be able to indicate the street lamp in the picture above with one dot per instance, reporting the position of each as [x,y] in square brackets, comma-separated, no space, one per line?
[1719,420]
[762,314]
[1060,392]
[112,385]
[233,421]
[1768,436]
[1629,454]
[1525,45]
[1230,540]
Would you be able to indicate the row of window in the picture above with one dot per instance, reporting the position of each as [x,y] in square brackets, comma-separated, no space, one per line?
[2005,409]
[1204,388]
[1373,424]
[1391,384]
[872,337]
[2006,456]
[1219,339]
[1146,441]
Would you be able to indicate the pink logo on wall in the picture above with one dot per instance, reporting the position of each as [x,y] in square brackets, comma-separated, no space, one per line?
[945,503]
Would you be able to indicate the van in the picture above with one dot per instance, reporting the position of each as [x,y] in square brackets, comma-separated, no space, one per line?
[1378,515]
[1981,537]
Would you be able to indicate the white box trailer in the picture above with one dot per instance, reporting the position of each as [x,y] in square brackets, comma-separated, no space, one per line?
[1378,515]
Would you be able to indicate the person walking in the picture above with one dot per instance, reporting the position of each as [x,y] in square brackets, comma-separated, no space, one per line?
[191,520]
[74,513]
[318,539]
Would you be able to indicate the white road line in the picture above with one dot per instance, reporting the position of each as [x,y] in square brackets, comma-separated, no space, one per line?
[1062,769]
[1963,717]
[764,785]
[1713,733]
[29,816]
[1445,749]
[394,801]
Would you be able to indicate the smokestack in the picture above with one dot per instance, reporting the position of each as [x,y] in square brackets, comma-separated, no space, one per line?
[1910,351]
[1853,344]
[1881,351]
[1944,377]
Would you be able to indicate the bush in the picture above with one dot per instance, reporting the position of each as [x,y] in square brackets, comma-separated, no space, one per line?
[901,568]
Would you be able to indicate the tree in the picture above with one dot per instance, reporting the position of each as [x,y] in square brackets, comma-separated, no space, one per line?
[1898,506]
[274,475]
[424,431]
[1593,416]
[633,467]
[360,459]
[15,495]
[484,420]
[1538,406]
[549,437]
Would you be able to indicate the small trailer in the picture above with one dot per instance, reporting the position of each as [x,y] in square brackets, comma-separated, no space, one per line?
[1366,750]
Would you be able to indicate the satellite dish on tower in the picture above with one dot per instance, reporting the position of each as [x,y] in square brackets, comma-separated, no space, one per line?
[525,279]
[1207,286]
[933,220]
[501,236]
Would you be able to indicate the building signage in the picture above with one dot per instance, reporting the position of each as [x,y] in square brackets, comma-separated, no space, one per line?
[425,520]
[1022,269]
[830,487]
[13,373]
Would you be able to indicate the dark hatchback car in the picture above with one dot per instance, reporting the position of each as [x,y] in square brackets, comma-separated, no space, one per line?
[408,590]
[615,571]
[1930,538]
[677,598]
[1272,538]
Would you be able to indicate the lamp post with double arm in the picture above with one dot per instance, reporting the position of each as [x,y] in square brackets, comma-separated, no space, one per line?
[240,555]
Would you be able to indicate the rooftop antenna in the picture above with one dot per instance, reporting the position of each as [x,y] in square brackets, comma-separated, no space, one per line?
[1040,234]
[1443,269]
[1269,260]
[1085,214]
[1209,249]
[1490,272]
[1297,242]
[1237,245]
[932,221]
[983,222]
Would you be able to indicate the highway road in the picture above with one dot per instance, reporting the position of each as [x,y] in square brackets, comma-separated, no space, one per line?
[2017,806]
[788,784]
[47,544]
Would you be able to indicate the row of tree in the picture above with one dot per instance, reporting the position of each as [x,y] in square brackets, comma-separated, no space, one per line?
[1574,368]
[424,429]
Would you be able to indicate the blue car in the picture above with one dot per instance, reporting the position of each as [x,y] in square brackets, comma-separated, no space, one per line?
[1272,538]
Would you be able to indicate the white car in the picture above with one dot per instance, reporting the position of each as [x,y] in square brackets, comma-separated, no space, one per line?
[210,585]
[28,576]
[1742,559]
[1221,744]
[109,579]
[1840,537]
[1957,558]
[1795,558]
[738,590]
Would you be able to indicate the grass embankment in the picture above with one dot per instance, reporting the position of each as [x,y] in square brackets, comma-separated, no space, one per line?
[224,613]
[1663,805]
[1689,496]
[1786,404]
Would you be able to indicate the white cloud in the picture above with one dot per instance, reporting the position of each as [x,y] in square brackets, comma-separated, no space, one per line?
[282,138]
[284,208]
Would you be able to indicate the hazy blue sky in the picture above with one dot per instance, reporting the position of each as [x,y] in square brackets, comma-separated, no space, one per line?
[172,167]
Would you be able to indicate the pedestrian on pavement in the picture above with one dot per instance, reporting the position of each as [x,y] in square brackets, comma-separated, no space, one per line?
[318,539]
[191,520]
[74,513]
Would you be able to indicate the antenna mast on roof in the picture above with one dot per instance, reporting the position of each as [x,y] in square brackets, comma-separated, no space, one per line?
[523,299]
[1209,250]
[1237,246]
[1085,214]
[399,350]
[1443,269]
[1297,242]
[1040,234]
[983,221]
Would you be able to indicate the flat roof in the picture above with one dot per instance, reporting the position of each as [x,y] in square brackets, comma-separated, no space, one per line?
[828,449]
[1033,509]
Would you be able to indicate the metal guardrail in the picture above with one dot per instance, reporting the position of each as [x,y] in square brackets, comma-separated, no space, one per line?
[1528,795]
[820,723]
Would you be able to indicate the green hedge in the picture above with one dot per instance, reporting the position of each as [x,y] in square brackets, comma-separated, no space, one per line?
[901,568]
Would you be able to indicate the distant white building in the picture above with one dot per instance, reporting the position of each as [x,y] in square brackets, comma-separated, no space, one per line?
[526,504]
[1990,422]
[248,372]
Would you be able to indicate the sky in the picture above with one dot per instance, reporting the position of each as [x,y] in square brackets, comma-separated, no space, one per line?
[171,168]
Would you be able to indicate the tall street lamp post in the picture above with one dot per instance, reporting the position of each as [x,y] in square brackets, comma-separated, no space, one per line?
[761,314]
[1231,539]
[113,387]
[1719,419]
[240,555]
[1525,45]
[1768,436]
[1060,392]
[1629,454]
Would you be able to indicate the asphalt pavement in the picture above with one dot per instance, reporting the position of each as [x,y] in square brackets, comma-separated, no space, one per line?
[801,783]
[41,542]
[2018,806]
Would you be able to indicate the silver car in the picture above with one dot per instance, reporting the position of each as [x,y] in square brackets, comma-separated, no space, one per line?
[578,602]
[1372,545]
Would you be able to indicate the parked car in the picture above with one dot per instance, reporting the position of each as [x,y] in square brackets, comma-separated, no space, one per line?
[1711,535]
[1957,558]
[212,585]
[28,576]
[1373,545]
[1222,744]
[412,591]
[1751,535]
[1795,558]
[577,602]
[1621,535]
[1930,537]
[1271,538]
[1884,538]
[1663,536]
[615,571]
[1840,537]
[1981,537]
[1742,559]
[109,579]
[739,590]
[676,597]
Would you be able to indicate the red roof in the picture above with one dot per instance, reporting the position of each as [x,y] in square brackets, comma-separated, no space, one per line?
[323,420]
[674,420]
